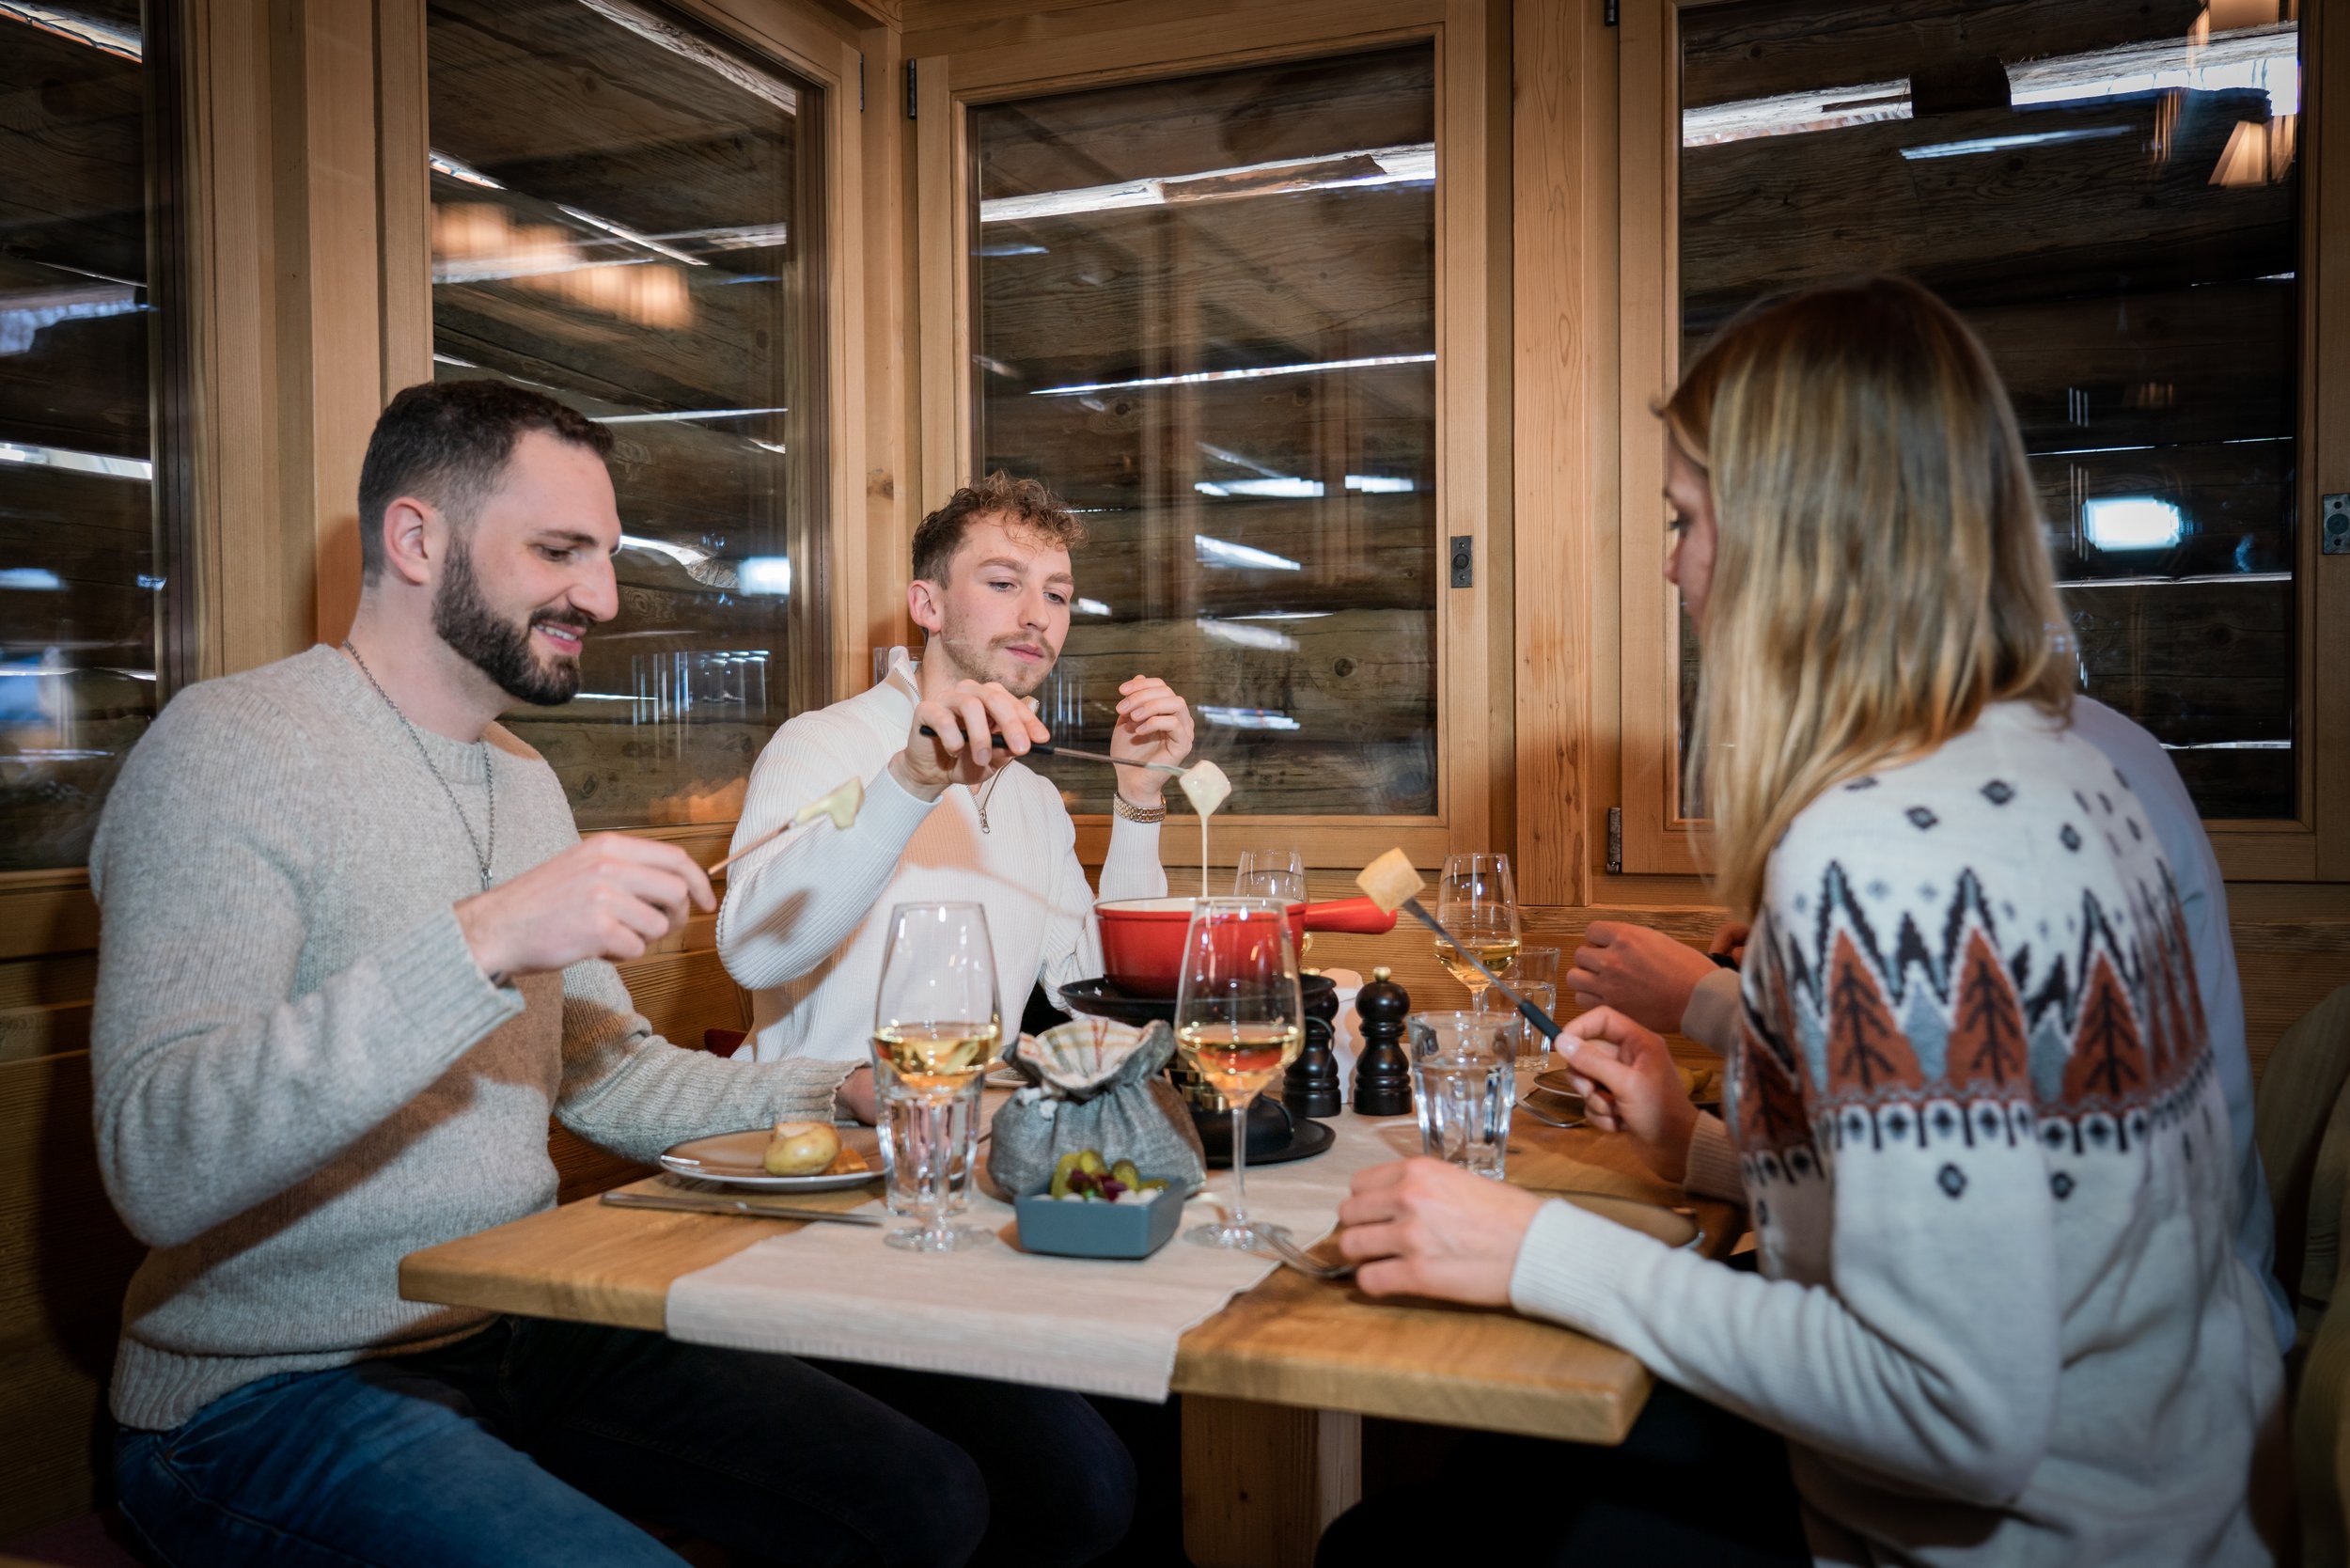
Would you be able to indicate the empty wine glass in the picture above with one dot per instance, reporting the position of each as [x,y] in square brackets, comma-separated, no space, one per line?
[1239,1021]
[1477,903]
[936,1026]
[1270,873]
[1274,874]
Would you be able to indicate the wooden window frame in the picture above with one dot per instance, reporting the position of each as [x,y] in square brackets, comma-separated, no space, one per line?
[800,39]
[1655,836]
[958,67]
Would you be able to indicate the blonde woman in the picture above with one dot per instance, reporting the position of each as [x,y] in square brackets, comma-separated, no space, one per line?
[1972,1108]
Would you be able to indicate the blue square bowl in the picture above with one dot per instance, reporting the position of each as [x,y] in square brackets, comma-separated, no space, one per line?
[1121,1230]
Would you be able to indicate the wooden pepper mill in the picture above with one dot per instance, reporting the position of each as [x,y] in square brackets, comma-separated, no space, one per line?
[1310,1087]
[1382,1075]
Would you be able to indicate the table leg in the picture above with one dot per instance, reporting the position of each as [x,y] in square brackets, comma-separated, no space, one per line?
[1262,1481]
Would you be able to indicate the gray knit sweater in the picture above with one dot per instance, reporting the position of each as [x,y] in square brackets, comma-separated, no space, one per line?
[301,1073]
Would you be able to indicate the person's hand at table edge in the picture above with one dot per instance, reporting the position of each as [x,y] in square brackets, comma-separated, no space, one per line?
[1420,1227]
[1629,1086]
[1643,974]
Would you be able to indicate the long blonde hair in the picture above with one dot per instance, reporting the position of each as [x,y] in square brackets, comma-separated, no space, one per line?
[1881,573]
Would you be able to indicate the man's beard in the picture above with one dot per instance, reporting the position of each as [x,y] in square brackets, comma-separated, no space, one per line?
[496,647]
[988,663]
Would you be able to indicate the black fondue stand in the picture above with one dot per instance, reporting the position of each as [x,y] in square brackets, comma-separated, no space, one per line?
[1286,1128]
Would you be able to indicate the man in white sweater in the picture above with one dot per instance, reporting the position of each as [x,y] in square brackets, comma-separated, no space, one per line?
[947,816]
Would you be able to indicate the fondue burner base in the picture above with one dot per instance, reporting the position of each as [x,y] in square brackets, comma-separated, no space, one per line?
[1099,998]
[1301,1141]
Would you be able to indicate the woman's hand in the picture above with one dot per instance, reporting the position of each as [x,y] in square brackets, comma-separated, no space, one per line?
[1420,1227]
[1629,1086]
[1641,972]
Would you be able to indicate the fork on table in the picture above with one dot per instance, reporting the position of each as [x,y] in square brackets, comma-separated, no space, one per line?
[1299,1259]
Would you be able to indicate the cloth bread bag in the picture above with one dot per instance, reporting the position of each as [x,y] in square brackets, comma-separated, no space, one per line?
[1094,1084]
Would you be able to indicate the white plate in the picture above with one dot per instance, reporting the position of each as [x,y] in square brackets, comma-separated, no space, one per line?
[739,1160]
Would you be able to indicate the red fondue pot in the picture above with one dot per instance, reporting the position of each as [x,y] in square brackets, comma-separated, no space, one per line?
[1142,939]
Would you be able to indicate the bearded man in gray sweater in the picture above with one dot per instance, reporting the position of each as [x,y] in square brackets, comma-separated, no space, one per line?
[354,954]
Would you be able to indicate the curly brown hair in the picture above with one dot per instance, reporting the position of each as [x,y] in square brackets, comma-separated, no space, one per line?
[1022,504]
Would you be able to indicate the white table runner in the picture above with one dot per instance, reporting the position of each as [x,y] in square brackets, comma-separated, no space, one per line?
[1094,1326]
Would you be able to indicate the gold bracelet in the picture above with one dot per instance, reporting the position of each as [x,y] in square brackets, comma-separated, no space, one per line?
[1137,813]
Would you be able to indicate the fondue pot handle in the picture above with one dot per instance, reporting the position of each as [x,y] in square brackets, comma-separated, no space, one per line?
[1358,915]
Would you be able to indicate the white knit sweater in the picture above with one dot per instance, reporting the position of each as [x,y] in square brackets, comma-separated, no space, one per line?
[1975,1114]
[806,919]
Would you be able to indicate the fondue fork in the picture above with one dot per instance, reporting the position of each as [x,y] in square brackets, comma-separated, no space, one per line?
[1046,748]
[1391,883]
[841,805]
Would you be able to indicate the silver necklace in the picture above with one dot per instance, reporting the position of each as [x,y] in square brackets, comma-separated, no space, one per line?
[980,796]
[489,772]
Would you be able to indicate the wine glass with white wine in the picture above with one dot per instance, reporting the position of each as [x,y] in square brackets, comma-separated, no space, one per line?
[1477,903]
[1239,1020]
[935,1029]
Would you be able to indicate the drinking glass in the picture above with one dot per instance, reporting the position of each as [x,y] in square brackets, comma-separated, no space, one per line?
[1477,905]
[1274,874]
[1270,873]
[1534,974]
[1463,1083]
[934,1133]
[1239,1021]
[935,1029]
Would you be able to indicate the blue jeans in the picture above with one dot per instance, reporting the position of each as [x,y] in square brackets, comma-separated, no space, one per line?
[528,1441]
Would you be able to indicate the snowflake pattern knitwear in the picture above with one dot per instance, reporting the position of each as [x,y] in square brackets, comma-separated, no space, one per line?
[1999,1316]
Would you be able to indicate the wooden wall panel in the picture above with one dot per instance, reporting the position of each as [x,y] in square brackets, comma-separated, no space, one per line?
[1564,256]
[64,1260]
[331,344]
[2325,650]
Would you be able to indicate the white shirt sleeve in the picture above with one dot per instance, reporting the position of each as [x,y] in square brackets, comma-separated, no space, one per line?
[789,905]
[1130,870]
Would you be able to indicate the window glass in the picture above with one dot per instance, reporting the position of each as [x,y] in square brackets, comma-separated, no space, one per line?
[1205,313]
[80,579]
[2111,197]
[625,215]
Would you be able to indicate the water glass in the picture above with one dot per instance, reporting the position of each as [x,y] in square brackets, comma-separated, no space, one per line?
[1526,1043]
[1463,1083]
[939,1136]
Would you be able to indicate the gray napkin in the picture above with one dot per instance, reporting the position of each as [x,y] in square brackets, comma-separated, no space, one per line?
[1129,1113]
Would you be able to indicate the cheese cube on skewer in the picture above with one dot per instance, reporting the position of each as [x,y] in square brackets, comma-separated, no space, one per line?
[1390,881]
[1204,785]
[841,805]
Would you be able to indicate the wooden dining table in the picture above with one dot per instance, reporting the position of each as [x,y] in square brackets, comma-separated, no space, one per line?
[1274,1386]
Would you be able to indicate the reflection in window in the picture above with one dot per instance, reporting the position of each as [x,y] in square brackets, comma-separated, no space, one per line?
[79,578]
[624,215]
[1204,312]
[2112,203]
